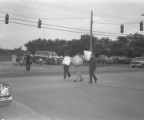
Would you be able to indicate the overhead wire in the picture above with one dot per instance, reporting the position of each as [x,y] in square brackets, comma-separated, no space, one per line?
[69,16]
[23,20]
[39,10]
[23,24]
[64,30]
[65,27]
[18,15]
[106,23]
[68,29]
[61,7]
[100,33]
[47,18]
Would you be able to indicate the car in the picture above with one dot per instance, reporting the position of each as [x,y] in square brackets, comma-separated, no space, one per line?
[5,94]
[137,63]
[20,60]
[104,59]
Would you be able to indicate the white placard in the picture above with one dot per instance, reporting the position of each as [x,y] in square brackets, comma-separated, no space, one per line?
[77,60]
[66,60]
[87,55]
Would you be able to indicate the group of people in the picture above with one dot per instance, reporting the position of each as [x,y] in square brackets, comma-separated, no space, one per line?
[92,68]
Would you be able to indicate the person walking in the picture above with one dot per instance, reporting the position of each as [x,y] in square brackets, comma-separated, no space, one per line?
[66,71]
[92,68]
[66,63]
[78,61]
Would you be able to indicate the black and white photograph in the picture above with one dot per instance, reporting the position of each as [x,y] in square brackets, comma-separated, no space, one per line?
[71,60]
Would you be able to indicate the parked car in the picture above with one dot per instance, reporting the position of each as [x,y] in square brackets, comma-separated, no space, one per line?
[104,59]
[20,60]
[123,60]
[5,94]
[137,63]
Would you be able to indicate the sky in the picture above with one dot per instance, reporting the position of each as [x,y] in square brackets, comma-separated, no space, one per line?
[67,19]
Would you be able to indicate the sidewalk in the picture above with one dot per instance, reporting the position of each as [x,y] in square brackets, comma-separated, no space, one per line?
[18,111]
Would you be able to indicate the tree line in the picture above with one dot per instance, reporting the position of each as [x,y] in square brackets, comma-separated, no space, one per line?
[130,45]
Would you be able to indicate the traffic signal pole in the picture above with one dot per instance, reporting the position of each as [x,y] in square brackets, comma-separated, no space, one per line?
[141,26]
[6,18]
[91,24]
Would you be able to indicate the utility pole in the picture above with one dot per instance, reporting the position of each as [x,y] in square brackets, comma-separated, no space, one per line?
[91,24]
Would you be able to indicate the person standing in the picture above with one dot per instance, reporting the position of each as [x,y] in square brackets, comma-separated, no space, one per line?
[28,59]
[92,68]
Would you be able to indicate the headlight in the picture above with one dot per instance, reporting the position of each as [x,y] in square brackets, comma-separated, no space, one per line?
[5,91]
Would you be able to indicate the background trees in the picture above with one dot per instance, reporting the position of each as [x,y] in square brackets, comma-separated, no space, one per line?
[130,46]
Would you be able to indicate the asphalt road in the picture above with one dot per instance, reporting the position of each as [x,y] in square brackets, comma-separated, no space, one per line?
[42,94]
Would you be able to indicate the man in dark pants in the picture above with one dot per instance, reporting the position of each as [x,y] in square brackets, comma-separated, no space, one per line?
[92,68]
[66,67]
[66,71]
[28,61]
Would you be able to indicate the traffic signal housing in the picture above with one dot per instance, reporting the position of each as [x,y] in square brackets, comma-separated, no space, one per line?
[141,26]
[39,23]
[122,28]
[6,19]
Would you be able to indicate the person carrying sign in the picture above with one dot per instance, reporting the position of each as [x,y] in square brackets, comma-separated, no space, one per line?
[77,61]
[92,68]
[66,62]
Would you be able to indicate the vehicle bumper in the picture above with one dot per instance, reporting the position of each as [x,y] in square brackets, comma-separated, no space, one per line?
[5,101]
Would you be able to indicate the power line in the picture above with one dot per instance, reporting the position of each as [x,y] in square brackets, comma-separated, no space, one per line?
[46,27]
[107,35]
[23,24]
[39,10]
[114,17]
[72,29]
[133,22]
[24,20]
[60,7]
[19,23]
[47,18]
[24,16]
[106,23]
[64,30]
[65,27]
[48,24]
[68,18]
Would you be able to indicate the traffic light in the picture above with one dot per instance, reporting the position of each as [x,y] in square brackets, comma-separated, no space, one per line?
[6,19]
[122,28]
[39,23]
[141,26]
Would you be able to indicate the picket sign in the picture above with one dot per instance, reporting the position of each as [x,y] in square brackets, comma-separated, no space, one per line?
[66,60]
[77,60]
[87,55]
